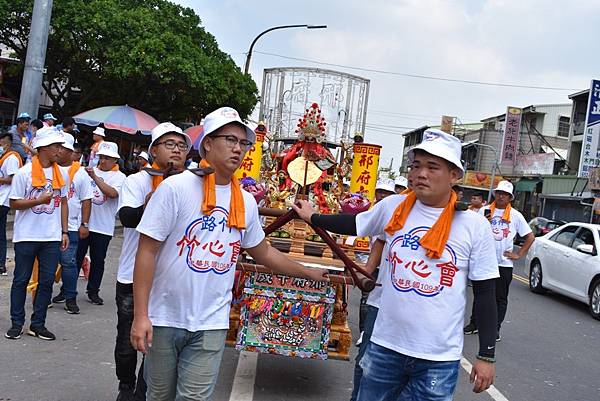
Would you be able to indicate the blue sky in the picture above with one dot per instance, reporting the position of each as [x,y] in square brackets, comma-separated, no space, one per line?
[527,42]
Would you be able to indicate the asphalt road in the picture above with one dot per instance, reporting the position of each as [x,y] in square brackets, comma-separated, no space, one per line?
[548,352]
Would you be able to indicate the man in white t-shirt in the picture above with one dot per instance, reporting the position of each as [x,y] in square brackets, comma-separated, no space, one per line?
[98,137]
[169,148]
[191,235]
[80,205]
[506,223]
[39,196]
[106,181]
[369,302]
[476,202]
[400,184]
[10,163]
[417,341]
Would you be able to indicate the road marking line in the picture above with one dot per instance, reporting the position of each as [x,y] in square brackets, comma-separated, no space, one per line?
[521,279]
[245,375]
[492,391]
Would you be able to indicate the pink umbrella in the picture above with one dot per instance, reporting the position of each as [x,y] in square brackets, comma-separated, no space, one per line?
[121,118]
[195,134]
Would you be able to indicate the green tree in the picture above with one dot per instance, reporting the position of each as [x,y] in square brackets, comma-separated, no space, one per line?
[150,54]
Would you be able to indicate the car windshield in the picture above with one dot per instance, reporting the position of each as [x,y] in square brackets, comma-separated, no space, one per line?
[553,224]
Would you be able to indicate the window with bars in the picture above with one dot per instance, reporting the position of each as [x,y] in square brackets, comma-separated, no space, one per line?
[563,126]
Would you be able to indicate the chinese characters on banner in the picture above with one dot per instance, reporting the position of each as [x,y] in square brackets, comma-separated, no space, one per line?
[590,145]
[250,166]
[512,132]
[364,169]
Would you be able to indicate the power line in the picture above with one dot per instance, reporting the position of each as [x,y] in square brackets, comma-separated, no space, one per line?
[403,74]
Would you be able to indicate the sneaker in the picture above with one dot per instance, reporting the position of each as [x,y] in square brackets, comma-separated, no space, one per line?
[471,329]
[71,307]
[14,332]
[498,337]
[126,392]
[3,271]
[359,341]
[41,332]
[95,299]
[59,299]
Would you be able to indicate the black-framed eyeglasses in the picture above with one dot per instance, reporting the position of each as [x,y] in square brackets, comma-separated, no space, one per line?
[232,140]
[172,144]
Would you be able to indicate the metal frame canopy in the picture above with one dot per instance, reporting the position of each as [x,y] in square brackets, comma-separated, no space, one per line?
[288,91]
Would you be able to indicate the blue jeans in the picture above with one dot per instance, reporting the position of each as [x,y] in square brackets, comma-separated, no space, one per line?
[3,215]
[369,322]
[47,254]
[98,244]
[70,272]
[183,365]
[391,376]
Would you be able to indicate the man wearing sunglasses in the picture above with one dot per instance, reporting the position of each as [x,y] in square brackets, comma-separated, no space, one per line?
[191,235]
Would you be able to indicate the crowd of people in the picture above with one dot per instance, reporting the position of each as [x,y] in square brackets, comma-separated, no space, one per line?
[185,229]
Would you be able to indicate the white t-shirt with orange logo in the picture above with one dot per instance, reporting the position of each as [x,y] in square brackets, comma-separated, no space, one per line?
[195,265]
[40,223]
[421,309]
[104,209]
[79,190]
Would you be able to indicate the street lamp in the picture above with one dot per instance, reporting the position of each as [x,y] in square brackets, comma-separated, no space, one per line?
[249,55]
[483,145]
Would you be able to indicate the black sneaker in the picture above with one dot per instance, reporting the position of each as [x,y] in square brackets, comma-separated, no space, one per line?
[3,271]
[126,392]
[470,329]
[14,332]
[41,332]
[59,299]
[498,337]
[71,307]
[95,299]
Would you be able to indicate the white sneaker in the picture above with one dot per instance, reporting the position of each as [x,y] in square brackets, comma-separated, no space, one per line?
[359,341]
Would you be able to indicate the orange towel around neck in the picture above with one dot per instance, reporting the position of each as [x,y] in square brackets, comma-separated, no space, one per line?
[237,212]
[73,170]
[156,179]
[505,215]
[11,152]
[38,178]
[115,167]
[437,236]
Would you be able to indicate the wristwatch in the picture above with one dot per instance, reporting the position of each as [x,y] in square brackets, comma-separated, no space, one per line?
[85,225]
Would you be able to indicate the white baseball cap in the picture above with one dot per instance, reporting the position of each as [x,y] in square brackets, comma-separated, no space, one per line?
[69,140]
[218,118]
[169,128]
[144,156]
[99,131]
[401,181]
[47,136]
[49,116]
[505,186]
[385,184]
[440,144]
[109,149]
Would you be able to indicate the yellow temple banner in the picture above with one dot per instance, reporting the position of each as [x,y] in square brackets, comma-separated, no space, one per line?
[250,166]
[364,169]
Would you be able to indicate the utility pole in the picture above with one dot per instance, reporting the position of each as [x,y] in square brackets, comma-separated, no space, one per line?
[33,74]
